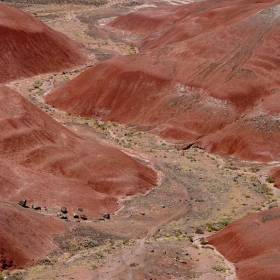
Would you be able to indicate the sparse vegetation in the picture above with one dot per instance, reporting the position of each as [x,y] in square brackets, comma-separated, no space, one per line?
[199,230]
[219,268]
[203,241]
[270,179]
[272,205]
[217,200]
[255,169]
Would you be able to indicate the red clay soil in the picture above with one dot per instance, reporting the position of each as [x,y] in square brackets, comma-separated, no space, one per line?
[252,244]
[255,136]
[167,25]
[48,165]
[29,47]
[203,66]
[58,166]
[25,236]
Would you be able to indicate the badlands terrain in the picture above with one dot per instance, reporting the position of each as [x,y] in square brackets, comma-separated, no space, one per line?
[155,123]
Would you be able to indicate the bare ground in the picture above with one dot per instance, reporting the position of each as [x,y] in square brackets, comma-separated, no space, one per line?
[152,236]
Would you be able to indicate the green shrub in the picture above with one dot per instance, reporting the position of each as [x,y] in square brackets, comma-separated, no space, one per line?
[270,179]
[272,205]
[219,268]
[199,230]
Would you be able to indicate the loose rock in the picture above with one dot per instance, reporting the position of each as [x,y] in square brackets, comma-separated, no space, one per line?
[75,215]
[84,217]
[22,202]
[36,207]
[106,216]
[63,210]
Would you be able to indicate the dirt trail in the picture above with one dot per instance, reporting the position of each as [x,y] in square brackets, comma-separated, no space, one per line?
[116,265]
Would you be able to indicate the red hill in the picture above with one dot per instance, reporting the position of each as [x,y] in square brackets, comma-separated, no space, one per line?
[252,244]
[48,165]
[25,236]
[29,47]
[204,67]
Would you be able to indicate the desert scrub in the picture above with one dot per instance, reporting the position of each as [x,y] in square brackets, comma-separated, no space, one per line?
[219,268]
[203,241]
[199,230]
[272,205]
[270,179]
[218,226]
[190,237]
[37,84]
[265,189]
[255,169]
[226,222]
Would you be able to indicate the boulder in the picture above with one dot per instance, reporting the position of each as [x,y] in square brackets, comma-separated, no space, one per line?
[63,210]
[36,207]
[22,202]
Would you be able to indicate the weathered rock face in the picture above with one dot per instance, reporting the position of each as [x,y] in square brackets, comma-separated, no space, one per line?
[43,162]
[28,47]
[204,71]
[252,244]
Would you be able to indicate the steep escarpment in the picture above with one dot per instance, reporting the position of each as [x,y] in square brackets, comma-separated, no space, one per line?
[29,47]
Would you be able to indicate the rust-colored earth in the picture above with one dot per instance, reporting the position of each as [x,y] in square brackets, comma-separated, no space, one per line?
[25,236]
[50,166]
[201,69]
[29,47]
[252,244]
[204,74]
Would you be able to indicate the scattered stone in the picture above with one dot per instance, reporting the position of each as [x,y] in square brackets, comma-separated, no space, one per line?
[36,207]
[152,250]
[64,217]
[22,202]
[84,217]
[106,216]
[80,209]
[59,215]
[75,215]
[63,210]
[162,206]
[142,213]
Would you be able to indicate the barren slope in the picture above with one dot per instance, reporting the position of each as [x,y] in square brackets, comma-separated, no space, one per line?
[252,243]
[203,66]
[48,165]
[29,47]
[25,236]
